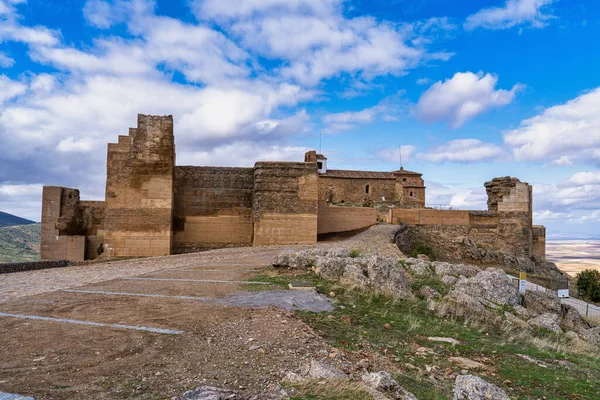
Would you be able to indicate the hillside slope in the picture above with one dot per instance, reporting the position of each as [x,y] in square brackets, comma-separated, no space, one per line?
[7,219]
[20,243]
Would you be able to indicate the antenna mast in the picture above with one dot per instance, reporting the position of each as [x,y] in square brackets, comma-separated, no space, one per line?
[320,140]
[400,156]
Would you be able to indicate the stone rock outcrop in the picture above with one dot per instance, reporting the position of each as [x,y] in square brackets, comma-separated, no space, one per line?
[491,285]
[470,387]
[383,383]
[444,268]
[538,302]
[319,370]
[374,273]
[570,319]
[592,335]
[546,321]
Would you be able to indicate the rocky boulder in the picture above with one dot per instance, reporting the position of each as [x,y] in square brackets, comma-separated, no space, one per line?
[491,285]
[370,272]
[470,387]
[538,302]
[444,268]
[570,319]
[383,383]
[592,335]
[419,267]
[546,321]
[428,293]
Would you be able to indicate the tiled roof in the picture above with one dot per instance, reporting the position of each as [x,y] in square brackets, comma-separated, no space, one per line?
[406,172]
[344,173]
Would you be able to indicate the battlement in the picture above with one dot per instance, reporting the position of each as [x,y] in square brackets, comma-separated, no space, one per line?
[154,208]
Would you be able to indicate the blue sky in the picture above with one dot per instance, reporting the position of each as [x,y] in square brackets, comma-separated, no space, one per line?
[470,90]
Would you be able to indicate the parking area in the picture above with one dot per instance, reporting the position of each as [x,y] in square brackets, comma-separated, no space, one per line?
[146,328]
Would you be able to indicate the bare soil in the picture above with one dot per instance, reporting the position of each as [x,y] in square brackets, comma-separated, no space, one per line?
[52,360]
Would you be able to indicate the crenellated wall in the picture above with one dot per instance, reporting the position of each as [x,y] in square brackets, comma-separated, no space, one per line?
[285,203]
[506,226]
[154,208]
[213,208]
[139,190]
[62,227]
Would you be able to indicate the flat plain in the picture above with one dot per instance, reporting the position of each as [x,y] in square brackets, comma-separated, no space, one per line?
[573,256]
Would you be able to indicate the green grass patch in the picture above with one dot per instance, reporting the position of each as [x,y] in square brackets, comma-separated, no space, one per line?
[394,328]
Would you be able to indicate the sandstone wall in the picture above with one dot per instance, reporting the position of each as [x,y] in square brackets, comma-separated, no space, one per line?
[342,219]
[285,203]
[213,208]
[62,225]
[139,190]
[505,228]
[353,190]
[539,241]
[426,216]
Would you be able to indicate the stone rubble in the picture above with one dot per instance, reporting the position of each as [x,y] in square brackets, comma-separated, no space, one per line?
[470,387]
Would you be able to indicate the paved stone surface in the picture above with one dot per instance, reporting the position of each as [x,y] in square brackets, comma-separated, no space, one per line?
[9,396]
[21,284]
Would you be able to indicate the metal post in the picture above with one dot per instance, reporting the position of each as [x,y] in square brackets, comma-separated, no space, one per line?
[587,308]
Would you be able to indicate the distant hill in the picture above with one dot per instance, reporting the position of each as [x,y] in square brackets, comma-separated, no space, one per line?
[7,219]
[20,243]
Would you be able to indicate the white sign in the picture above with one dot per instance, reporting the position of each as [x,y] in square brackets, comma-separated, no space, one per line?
[522,286]
[522,282]
[563,293]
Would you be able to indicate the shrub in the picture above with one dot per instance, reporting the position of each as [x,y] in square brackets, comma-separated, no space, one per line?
[354,253]
[422,249]
[588,283]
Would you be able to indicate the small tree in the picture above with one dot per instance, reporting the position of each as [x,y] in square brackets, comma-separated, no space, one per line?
[588,284]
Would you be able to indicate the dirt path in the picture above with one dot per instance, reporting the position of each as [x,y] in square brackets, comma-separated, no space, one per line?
[153,328]
[62,356]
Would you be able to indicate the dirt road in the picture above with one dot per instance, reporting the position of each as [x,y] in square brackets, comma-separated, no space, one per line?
[154,336]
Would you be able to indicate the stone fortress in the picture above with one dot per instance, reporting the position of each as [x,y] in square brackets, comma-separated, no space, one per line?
[153,207]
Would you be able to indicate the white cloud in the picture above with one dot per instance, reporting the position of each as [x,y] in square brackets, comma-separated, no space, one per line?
[315,41]
[392,155]
[584,178]
[11,29]
[514,13]
[7,6]
[547,215]
[21,200]
[242,154]
[10,89]
[227,107]
[463,97]
[571,129]
[423,81]
[6,61]
[463,150]
[20,190]
[563,160]
[455,197]
[388,109]
[218,9]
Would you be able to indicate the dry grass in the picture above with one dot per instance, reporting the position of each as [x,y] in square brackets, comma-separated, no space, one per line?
[334,390]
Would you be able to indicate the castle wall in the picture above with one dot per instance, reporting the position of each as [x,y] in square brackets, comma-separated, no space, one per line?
[539,241]
[139,190]
[426,216]
[342,219]
[353,190]
[212,208]
[505,227]
[59,238]
[285,203]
